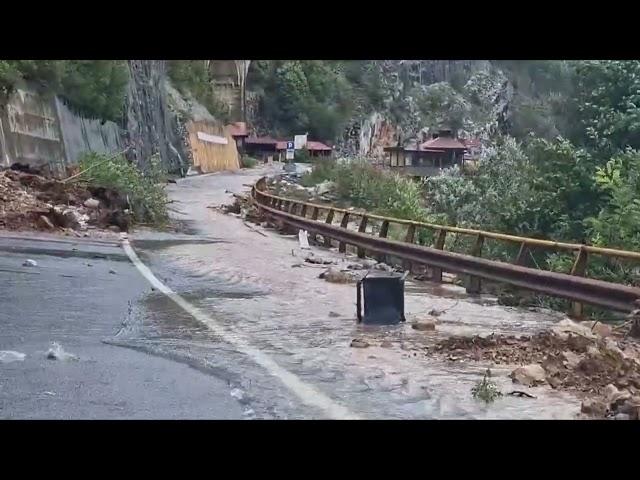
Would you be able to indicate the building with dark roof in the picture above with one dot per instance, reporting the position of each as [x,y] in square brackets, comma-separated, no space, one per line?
[443,150]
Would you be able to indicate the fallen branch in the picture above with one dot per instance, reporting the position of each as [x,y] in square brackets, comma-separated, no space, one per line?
[254,230]
[518,393]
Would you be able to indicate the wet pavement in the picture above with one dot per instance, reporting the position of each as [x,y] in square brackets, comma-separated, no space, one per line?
[70,297]
[144,356]
[247,284]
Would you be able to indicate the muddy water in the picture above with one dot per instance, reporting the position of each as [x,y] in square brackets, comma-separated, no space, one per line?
[249,284]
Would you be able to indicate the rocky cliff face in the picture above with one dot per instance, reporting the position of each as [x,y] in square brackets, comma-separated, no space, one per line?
[486,87]
[152,129]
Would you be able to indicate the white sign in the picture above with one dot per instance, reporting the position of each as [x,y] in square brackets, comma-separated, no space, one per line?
[300,141]
[290,155]
[205,137]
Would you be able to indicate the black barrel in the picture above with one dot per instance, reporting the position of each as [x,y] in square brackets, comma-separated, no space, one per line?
[383,295]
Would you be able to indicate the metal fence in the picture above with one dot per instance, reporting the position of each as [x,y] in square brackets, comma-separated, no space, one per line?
[319,219]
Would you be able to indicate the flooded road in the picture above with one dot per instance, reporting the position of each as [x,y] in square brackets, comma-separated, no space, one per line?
[252,285]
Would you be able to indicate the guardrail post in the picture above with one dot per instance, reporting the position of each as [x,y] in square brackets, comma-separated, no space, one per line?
[579,268]
[303,211]
[328,221]
[408,238]
[362,229]
[522,254]
[292,207]
[314,216]
[342,247]
[473,284]
[436,272]
[384,231]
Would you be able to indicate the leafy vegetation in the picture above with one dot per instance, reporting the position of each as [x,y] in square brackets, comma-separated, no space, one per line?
[145,192]
[371,189]
[302,96]
[249,162]
[193,77]
[486,390]
[94,88]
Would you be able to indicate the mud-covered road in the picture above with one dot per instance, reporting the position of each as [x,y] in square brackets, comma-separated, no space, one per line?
[275,339]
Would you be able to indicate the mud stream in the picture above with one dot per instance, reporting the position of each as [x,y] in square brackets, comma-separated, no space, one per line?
[246,282]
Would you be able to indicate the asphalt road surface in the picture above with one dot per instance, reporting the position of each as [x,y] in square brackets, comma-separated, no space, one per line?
[71,298]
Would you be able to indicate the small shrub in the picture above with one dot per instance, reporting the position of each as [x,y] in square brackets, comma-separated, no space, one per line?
[145,192]
[486,390]
[249,162]
[302,156]
[321,171]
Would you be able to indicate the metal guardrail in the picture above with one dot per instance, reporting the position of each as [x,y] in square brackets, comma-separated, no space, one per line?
[571,286]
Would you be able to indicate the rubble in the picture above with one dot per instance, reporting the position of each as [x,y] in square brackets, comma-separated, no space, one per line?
[29,201]
[605,369]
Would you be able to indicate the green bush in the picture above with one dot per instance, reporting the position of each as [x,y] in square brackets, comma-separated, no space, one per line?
[249,162]
[302,156]
[192,76]
[371,189]
[145,193]
[94,88]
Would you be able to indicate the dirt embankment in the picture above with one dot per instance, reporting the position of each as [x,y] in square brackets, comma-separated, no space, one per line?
[29,201]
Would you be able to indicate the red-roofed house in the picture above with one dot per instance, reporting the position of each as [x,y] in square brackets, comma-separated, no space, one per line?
[239,133]
[315,149]
[263,148]
[431,156]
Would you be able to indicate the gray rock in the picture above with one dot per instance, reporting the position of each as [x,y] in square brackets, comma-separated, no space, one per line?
[593,407]
[45,222]
[571,360]
[357,343]
[92,203]
[529,375]
[424,325]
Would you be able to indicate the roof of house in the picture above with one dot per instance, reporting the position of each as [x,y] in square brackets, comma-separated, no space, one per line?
[262,141]
[311,146]
[471,142]
[238,129]
[317,146]
[443,143]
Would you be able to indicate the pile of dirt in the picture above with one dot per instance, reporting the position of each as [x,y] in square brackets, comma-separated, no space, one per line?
[581,357]
[29,201]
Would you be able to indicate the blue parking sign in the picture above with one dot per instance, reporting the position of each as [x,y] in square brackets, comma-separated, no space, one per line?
[289,145]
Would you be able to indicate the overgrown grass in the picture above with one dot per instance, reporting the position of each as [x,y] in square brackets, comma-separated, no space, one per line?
[145,192]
